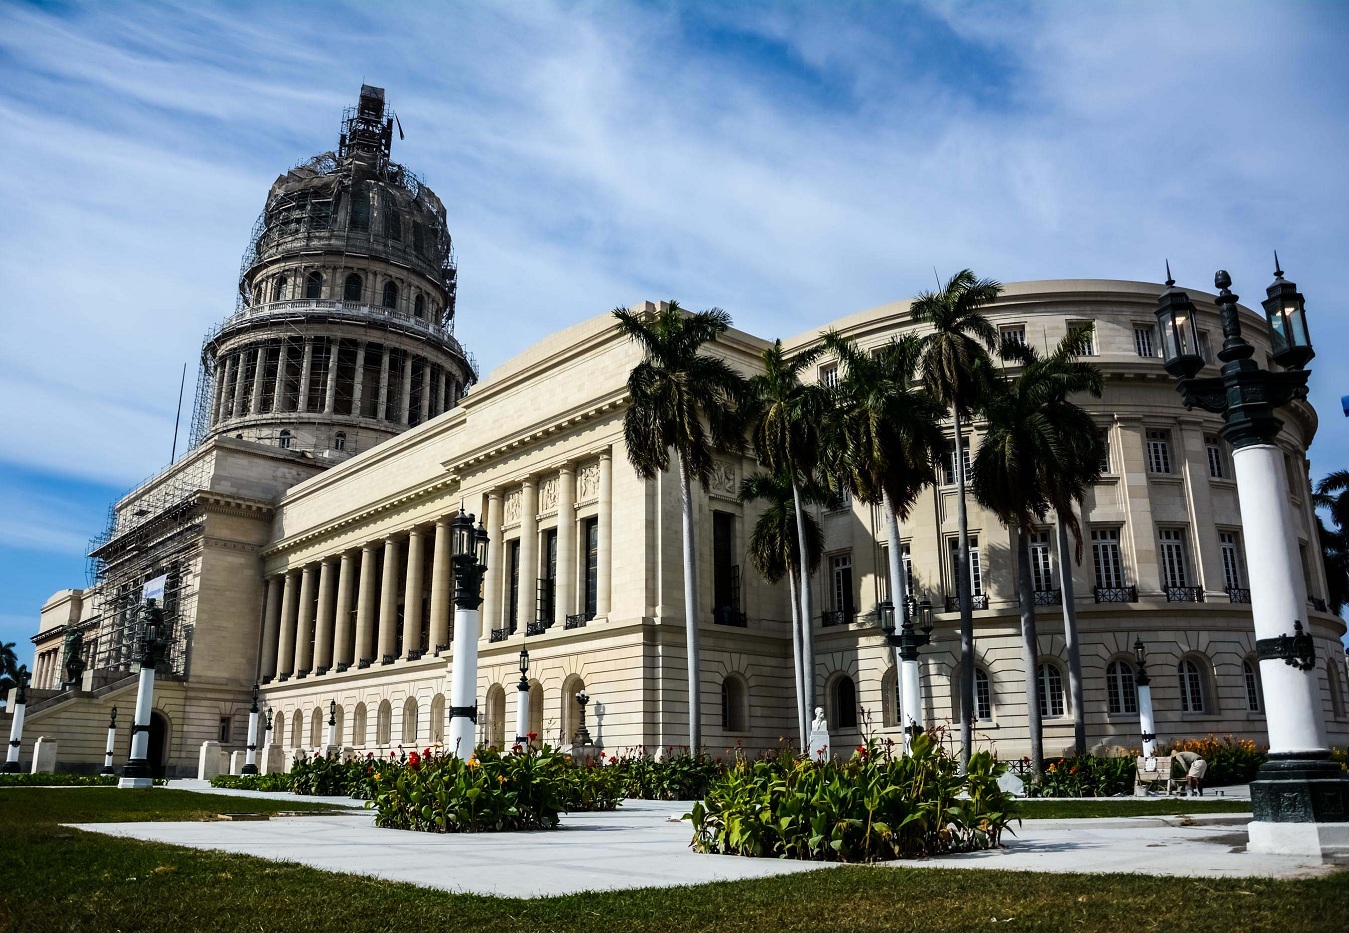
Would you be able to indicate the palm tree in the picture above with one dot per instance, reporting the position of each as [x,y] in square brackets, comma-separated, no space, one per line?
[787,427]
[886,437]
[951,358]
[9,669]
[686,402]
[1041,452]
[1332,494]
[773,551]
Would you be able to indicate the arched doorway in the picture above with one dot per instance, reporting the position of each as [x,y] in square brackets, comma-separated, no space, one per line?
[158,755]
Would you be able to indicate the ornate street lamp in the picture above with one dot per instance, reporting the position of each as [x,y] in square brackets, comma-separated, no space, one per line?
[1142,684]
[522,702]
[1299,797]
[469,554]
[906,644]
[251,756]
[112,738]
[582,736]
[267,742]
[154,638]
[11,765]
[332,725]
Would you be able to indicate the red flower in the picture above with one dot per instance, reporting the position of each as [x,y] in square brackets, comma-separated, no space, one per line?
[533,736]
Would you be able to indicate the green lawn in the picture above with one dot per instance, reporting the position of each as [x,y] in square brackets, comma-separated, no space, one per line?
[61,879]
[1047,808]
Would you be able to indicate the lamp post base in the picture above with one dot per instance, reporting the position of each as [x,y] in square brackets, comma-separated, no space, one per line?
[135,783]
[136,775]
[249,769]
[9,767]
[107,772]
[1301,807]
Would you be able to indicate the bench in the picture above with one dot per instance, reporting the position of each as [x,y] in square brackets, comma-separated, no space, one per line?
[1153,771]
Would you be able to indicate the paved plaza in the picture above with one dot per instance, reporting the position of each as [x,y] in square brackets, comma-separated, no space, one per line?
[640,846]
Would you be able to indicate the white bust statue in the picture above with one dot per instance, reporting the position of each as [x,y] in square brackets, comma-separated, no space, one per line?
[819,749]
[819,725]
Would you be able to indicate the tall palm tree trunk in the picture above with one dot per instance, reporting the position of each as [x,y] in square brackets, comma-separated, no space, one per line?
[966,607]
[899,597]
[1030,653]
[1072,642]
[807,627]
[691,611]
[799,663]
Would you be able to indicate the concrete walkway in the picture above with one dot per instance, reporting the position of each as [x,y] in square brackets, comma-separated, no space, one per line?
[204,787]
[638,846]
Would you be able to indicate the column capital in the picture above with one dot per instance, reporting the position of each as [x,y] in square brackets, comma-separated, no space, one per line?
[566,468]
[494,494]
[529,479]
[443,521]
[606,454]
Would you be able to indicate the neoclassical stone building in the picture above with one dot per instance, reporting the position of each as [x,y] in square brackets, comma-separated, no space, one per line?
[332,584]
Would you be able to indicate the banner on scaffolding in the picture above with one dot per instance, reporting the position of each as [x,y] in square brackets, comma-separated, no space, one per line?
[154,589]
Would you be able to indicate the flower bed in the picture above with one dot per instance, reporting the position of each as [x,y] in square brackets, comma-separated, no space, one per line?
[1230,761]
[875,806]
[276,783]
[59,780]
[1085,776]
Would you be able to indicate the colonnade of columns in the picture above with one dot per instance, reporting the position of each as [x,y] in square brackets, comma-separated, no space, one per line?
[391,599]
[242,381]
[47,674]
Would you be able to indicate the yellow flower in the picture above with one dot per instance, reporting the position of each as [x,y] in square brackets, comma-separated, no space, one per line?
[473,762]
[376,775]
[501,779]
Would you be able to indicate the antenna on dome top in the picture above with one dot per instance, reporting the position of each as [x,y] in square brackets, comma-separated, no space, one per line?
[399,124]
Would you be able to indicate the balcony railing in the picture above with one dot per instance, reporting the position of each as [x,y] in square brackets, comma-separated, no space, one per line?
[729,615]
[1184,594]
[578,621]
[260,312]
[837,617]
[499,634]
[1238,594]
[1048,597]
[537,628]
[1317,603]
[977,601]
[1116,594]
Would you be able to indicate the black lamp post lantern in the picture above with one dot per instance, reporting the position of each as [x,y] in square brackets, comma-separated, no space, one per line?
[468,549]
[906,643]
[1141,656]
[1299,797]
[268,741]
[522,702]
[582,736]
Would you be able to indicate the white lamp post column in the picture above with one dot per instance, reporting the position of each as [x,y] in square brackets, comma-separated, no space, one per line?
[112,738]
[332,725]
[1143,684]
[469,547]
[137,772]
[16,727]
[906,644]
[522,702]
[251,755]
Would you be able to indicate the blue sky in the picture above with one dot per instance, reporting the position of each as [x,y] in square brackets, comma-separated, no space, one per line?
[791,163]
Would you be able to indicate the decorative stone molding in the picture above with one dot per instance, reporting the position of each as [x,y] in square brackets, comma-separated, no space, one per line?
[588,483]
[723,481]
[510,512]
[548,496]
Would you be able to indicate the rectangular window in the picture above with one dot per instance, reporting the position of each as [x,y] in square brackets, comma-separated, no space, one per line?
[591,529]
[1173,558]
[1233,571]
[1217,463]
[1144,344]
[723,560]
[1106,466]
[548,579]
[829,375]
[906,565]
[1159,452]
[513,581]
[224,729]
[841,569]
[983,696]
[1041,563]
[976,570]
[949,464]
[1013,333]
[1107,558]
[1085,329]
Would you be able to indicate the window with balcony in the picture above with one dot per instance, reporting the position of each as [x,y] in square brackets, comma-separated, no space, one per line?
[390,296]
[1250,675]
[976,573]
[841,590]
[591,531]
[419,306]
[948,465]
[1173,556]
[1107,465]
[1234,566]
[1159,452]
[279,288]
[725,571]
[1041,562]
[313,286]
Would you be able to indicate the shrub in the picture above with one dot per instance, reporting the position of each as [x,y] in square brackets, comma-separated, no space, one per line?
[1085,776]
[59,780]
[1230,761]
[681,776]
[874,806]
[264,782]
[330,776]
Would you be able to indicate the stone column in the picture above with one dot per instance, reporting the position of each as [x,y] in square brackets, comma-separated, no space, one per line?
[565,600]
[330,391]
[383,386]
[365,606]
[441,581]
[529,551]
[237,405]
[406,395]
[323,623]
[491,590]
[290,601]
[1140,528]
[304,630]
[255,403]
[388,601]
[218,390]
[279,387]
[342,635]
[425,401]
[225,397]
[306,372]
[358,380]
[412,595]
[271,627]
[603,573]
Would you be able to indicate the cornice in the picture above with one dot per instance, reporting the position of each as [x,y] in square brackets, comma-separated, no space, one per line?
[363,515]
[540,430]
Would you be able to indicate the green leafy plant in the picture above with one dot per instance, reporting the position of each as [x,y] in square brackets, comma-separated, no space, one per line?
[875,806]
[279,783]
[58,780]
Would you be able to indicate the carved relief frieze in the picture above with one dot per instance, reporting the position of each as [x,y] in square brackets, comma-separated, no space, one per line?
[588,483]
[510,511]
[548,495]
[723,481]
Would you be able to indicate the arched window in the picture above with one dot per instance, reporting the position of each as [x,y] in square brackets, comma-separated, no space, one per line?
[313,285]
[393,221]
[844,696]
[983,696]
[359,736]
[1191,686]
[1250,676]
[419,306]
[1051,691]
[352,287]
[1336,690]
[360,208]
[278,735]
[496,716]
[733,712]
[316,728]
[571,710]
[438,719]
[297,730]
[1120,690]
[340,440]
[390,298]
[410,724]
[279,288]
[536,708]
[284,440]
[890,699]
[383,723]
